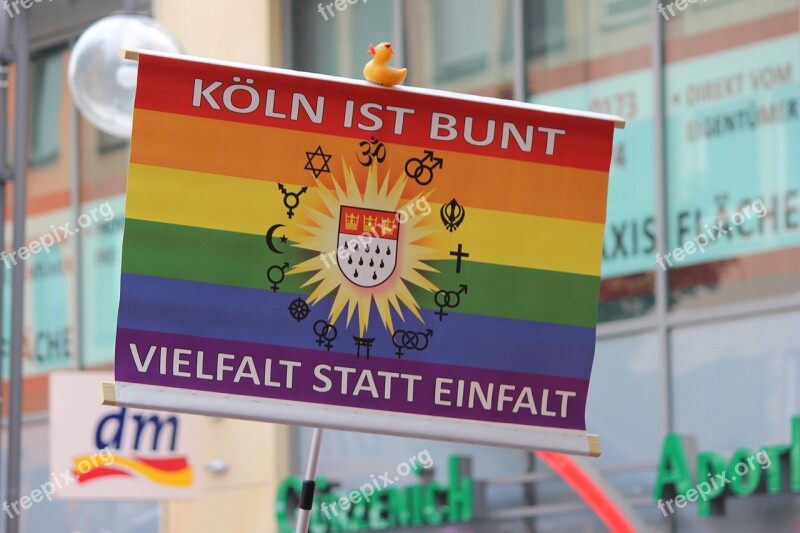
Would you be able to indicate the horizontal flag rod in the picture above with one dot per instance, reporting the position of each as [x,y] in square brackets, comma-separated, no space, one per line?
[350,419]
[128,53]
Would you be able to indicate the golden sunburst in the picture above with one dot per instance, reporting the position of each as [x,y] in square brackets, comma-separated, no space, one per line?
[320,234]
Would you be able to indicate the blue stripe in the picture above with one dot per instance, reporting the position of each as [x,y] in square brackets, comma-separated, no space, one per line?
[261,316]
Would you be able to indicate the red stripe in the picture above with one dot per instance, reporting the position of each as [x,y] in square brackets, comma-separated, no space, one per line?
[603,506]
[165,465]
[100,472]
[168,85]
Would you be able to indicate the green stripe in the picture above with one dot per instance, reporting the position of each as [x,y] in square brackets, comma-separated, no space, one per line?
[213,256]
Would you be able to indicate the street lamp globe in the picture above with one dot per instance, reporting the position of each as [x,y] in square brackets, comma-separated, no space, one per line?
[102,83]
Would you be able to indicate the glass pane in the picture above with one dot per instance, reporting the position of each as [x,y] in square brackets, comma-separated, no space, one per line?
[733,167]
[48,90]
[736,386]
[595,56]
[460,45]
[330,40]
[103,173]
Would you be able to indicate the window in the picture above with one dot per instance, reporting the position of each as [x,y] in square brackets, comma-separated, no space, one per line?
[48,89]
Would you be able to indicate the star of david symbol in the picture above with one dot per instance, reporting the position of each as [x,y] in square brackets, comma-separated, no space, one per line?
[312,156]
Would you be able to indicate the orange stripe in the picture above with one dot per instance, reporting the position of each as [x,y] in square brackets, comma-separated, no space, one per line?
[228,148]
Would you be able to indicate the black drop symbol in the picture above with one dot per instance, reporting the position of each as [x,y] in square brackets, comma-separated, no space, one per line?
[374,275]
[349,260]
[371,263]
[378,249]
[367,249]
[360,261]
[381,265]
[388,251]
[355,274]
[355,247]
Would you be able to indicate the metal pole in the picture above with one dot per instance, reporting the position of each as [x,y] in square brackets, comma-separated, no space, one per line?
[22,59]
[307,493]
[398,33]
[75,198]
[662,276]
[520,59]
[5,176]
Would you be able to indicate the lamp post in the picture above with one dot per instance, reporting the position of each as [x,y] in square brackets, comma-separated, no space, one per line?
[21,64]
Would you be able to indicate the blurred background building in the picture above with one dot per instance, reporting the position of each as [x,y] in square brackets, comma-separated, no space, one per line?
[708,347]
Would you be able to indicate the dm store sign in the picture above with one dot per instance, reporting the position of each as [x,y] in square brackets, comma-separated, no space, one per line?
[119,452]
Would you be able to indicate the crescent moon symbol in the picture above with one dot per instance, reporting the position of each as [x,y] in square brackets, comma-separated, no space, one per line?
[270,244]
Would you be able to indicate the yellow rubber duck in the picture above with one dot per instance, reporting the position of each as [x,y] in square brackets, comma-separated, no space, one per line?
[376,70]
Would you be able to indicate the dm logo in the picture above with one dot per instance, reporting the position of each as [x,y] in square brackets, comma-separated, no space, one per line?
[143,446]
[368,260]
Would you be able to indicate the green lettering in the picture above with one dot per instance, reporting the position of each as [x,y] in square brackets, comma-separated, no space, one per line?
[747,483]
[434,494]
[794,454]
[673,471]
[399,508]
[460,496]
[318,523]
[289,485]
[709,464]
[358,513]
[414,493]
[775,470]
[379,510]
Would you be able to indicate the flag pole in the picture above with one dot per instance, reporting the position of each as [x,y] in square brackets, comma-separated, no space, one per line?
[307,492]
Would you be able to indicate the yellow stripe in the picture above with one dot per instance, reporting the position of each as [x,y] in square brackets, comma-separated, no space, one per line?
[249,206]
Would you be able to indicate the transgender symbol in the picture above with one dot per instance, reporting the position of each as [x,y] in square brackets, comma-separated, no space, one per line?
[410,340]
[452,215]
[449,300]
[276,274]
[326,333]
[291,199]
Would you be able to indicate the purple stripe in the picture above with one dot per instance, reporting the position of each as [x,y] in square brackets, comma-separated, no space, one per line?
[304,379]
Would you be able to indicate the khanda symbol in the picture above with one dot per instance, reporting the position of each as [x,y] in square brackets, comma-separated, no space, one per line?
[452,215]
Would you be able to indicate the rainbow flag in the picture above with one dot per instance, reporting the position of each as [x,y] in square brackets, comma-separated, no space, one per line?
[417,262]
